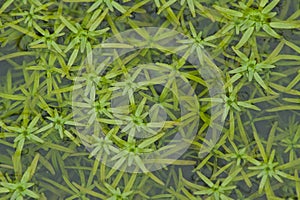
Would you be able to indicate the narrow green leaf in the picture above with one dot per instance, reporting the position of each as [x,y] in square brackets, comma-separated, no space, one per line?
[32,194]
[193,30]
[151,140]
[275,52]
[259,144]
[12,97]
[284,107]
[242,131]
[73,57]
[293,46]
[263,3]
[165,5]
[270,6]
[194,78]
[17,54]
[140,107]
[98,21]
[47,165]
[35,138]
[205,179]
[68,24]
[90,192]
[290,164]
[270,31]
[231,125]
[191,7]
[57,185]
[262,183]
[227,11]
[33,165]
[229,178]
[291,100]
[118,6]
[285,24]
[154,178]
[245,38]
[114,45]
[67,89]
[58,147]
[135,7]
[259,80]
[72,187]
[94,6]
[284,89]
[240,54]
[297,183]
[248,105]
[5,5]
[4,190]
[271,138]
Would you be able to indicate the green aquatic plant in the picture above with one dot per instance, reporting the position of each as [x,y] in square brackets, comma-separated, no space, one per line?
[49,40]
[98,4]
[251,17]
[116,193]
[290,141]
[27,133]
[81,37]
[250,68]
[218,190]
[268,168]
[19,189]
[88,121]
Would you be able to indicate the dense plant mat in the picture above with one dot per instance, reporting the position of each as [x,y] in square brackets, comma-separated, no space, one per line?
[205,105]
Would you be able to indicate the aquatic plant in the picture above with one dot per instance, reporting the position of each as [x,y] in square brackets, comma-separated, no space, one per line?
[90,111]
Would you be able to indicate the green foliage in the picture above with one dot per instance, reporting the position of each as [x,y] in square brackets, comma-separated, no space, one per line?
[19,189]
[66,142]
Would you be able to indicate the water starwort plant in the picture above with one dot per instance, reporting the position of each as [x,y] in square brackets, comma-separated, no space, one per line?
[163,99]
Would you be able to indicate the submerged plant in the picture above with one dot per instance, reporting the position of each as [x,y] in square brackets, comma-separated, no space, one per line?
[19,189]
[249,18]
[91,111]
